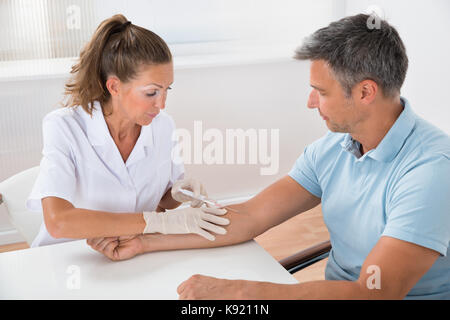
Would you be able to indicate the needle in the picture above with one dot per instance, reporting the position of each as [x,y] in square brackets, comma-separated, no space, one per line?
[205,200]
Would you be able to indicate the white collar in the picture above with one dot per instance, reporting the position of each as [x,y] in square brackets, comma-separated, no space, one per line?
[98,134]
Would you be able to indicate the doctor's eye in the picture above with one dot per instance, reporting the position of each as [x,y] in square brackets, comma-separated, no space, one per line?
[152,94]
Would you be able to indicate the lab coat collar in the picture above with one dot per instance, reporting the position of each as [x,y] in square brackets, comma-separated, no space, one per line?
[98,132]
[99,135]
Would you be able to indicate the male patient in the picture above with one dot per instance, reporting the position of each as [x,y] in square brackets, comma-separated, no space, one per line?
[381,173]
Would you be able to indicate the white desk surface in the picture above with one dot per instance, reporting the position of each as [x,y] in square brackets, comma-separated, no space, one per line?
[46,272]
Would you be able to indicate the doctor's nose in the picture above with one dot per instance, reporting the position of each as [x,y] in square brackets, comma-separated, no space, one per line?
[313,100]
[161,102]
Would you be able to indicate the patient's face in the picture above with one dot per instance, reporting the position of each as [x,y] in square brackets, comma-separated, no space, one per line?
[339,112]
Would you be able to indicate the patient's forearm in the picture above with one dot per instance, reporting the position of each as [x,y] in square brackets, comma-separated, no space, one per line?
[280,201]
[239,230]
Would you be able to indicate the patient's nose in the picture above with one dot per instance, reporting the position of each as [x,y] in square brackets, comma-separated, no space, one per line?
[313,100]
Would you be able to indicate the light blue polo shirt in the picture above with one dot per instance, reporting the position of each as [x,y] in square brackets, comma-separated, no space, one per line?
[400,189]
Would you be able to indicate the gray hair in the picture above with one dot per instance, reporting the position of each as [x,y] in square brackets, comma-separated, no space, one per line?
[356,52]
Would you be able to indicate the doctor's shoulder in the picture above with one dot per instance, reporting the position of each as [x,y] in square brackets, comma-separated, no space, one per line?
[60,115]
[65,121]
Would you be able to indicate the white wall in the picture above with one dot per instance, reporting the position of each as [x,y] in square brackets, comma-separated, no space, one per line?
[424,28]
[269,96]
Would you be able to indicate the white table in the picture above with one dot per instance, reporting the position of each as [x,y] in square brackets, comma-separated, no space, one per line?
[73,270]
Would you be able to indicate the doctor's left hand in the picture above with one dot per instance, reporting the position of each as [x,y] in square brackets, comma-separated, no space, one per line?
[117,248]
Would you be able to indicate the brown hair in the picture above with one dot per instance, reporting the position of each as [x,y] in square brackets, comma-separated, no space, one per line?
[117,48]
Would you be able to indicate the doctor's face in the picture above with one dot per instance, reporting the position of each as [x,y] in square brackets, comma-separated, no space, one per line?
[340,113]
[143,97]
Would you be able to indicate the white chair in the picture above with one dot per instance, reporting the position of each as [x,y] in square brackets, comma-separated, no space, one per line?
[14,192]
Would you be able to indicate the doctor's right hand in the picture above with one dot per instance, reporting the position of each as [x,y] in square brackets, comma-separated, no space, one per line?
[188,220]
[192,185]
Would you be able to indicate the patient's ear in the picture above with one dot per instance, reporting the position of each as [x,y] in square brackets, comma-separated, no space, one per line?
[367,91]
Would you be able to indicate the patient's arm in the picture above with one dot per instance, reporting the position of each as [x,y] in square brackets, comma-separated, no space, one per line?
[239,230]
[275,204]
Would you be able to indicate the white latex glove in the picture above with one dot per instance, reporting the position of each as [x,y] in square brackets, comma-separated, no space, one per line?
[188,220]
[189,184]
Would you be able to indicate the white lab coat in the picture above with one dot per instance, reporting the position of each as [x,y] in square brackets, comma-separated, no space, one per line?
[82,165]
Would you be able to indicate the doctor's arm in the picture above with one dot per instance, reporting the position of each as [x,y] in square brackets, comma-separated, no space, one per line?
[63,220]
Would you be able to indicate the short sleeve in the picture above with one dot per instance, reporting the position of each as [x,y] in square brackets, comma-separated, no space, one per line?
[304,172]
[57,169]
[419,208]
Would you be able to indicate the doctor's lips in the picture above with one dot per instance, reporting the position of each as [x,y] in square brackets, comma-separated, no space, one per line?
[152,115]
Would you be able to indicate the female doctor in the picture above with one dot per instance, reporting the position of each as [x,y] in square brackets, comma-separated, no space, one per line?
[107,167]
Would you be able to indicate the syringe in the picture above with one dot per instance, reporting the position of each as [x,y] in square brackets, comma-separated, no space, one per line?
[206,200]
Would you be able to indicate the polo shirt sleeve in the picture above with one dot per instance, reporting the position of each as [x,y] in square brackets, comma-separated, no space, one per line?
[304,170]
[57,169]
[419,208]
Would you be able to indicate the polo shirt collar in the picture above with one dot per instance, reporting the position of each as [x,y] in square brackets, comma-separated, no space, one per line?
[392,142]
[351,145]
